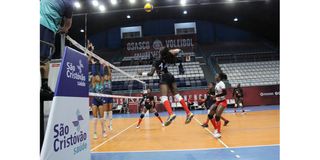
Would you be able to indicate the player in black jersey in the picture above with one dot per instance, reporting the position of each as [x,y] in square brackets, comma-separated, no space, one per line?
[167,82]
[238,95]
[210,103]
[149,104]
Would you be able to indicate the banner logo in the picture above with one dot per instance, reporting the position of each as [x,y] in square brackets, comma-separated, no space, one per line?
[157,44]
[269,94]
[73,74]
[80,66]
[76,123]
[64,138]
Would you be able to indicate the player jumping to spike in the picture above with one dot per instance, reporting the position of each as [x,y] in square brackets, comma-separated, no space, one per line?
[167,82]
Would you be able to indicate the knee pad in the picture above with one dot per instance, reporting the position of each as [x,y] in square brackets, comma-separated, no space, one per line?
[217,118]
[240,104]
[156,114]
[178,97]
[163,99]
[141,116]
[235,105]
[210,116]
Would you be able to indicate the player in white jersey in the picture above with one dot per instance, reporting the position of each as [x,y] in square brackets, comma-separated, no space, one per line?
[220,105]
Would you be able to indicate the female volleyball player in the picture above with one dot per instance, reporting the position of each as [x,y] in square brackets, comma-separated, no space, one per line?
[210,103]
[97,106]
[149,104]
[238,95]
[167,82]
[107,89]
[220,104]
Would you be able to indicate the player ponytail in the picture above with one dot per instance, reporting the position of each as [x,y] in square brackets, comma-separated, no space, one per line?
[223,76]
[166,56]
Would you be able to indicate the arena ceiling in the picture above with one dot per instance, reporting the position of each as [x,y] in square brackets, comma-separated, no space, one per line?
[258,16]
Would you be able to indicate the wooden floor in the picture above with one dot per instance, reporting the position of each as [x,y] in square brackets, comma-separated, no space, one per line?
[253,128]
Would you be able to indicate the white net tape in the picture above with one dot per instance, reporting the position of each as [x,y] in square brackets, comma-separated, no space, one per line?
[113,96]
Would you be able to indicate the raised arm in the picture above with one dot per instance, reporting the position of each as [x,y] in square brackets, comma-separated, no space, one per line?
[67,18]
[109,70]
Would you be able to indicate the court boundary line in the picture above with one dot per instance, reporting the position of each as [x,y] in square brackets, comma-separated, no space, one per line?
[96,147]
[197,149]
[219,140]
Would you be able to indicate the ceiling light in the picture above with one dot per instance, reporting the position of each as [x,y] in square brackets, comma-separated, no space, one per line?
[235,19]
[132,1]
[128,16]
[77,4]
[95,3]
[102,8]
[81,30]
[185,12]
[183,2]
[113,2]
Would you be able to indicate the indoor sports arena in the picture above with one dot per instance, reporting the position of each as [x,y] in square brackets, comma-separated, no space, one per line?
[159,80]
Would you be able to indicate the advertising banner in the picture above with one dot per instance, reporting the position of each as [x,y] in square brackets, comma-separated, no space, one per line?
[147,46]
[67,132]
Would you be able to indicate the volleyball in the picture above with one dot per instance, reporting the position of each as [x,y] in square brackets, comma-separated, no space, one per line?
[148,7]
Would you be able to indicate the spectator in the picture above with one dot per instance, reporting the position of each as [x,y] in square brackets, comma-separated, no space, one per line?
[190,101]
[181,70]
[55,17]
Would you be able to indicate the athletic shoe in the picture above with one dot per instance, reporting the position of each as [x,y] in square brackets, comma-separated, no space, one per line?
[162,124]
[189,118]
[217,135]
[205,125]
[110,127]
[46,93]
[138,127]
[170,119]
[215,131]
[104,134]
[226,123]
[95,136]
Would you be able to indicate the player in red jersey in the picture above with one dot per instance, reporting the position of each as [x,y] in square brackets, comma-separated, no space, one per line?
[220,104]
[210,103]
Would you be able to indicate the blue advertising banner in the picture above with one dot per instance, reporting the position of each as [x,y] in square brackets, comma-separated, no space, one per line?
[73,78]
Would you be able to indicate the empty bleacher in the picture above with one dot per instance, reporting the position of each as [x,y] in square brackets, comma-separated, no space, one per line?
[193,77]
[147,59]
[252,73]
